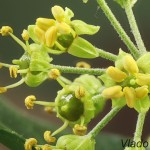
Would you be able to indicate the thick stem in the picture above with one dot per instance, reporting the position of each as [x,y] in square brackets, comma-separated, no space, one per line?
[104,122]
[76,70]
[134,27]
[139,126]
[106,55]
[118,28]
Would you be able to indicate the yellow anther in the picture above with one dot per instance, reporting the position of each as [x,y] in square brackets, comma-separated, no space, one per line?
[79,130]
[80,92]
[51,36]
[54,73]
[30,143]
[25,35]
[116,74]
[3,89]
[63,28]
[46,147]
[49,109]
[29,101]
[40,34]
[48,138]
[130,64]
[5,30]
[13,71]
[130,96]
[141,91]
[45,23]
[58,13]
[113,92]
[143,79]
[83,64]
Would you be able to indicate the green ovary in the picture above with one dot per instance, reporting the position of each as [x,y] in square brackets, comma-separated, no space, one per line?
[70,107]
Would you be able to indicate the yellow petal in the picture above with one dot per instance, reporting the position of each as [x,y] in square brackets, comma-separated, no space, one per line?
[50,36]
[113,92]
[58,13]
[130,64]
[141,91]
[116,74]
[40,34]
[130,96]
[143,79]
[45,23]
[63,28]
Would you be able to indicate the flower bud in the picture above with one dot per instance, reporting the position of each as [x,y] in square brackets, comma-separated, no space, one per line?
[75,142]
[25,35]
[116,74]
[40,34]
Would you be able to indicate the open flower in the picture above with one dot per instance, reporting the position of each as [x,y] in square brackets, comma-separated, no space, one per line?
[130,83]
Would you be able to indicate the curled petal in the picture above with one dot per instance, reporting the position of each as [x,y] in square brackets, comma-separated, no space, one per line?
[48,138]
[30,143]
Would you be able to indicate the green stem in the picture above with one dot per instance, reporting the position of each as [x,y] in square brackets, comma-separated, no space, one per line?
[139,126]
[134,27]
[75,70]
[106,55]
[43,103]
[126,39]
[104,122]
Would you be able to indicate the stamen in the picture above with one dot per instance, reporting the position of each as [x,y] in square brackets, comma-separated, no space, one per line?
[83,64]
[79,130]
[30,143]
[48,138]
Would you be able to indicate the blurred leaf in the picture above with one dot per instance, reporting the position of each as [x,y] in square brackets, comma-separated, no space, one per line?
[16,125]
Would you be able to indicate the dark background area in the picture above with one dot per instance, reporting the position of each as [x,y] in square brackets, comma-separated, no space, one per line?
[19,14]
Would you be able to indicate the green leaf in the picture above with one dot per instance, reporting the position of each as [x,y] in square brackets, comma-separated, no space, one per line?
[11,139]
[122,2]
[81,27]
[82,48]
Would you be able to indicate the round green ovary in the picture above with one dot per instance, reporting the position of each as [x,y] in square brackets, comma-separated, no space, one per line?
[70,107]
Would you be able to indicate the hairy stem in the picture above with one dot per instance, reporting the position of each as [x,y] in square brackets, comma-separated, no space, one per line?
[76,70]
[139,126]
[118,28]
[106,55]
[134,27]
[104,122]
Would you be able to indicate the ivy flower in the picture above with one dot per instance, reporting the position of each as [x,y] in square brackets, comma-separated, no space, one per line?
[128,82]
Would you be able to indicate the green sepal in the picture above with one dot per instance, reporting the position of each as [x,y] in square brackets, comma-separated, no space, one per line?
[144,63]
[82,48]
[122,2]
[142,105]
[32,34]
[107,80]
[85,1]
[75,142]
[40,60]
[118,102]
[81,27]
[120,60]
[23,62]
[68,15]
[34,79]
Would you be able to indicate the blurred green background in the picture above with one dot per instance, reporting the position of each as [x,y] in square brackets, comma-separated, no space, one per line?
[19,14]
